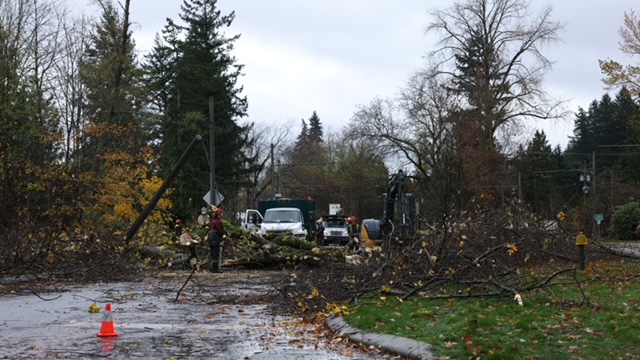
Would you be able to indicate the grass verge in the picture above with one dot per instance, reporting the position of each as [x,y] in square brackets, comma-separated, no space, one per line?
[561,321]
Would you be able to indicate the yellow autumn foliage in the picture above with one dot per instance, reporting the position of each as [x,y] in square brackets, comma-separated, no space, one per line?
[124,189]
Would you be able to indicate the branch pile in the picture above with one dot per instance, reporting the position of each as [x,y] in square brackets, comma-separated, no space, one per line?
[481,253]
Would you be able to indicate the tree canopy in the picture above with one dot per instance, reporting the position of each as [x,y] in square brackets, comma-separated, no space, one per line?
[491,52]
[187,66]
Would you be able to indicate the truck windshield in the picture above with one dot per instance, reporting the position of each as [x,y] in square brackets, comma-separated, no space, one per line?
[282,216]
[335,223]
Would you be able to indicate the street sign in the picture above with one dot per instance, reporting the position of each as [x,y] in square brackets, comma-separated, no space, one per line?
[218,198]
[599,217]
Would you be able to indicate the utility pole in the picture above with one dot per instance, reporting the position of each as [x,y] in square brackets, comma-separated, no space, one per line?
[585,179]
[278,184]
[593,192]
[273,174]
[213,189]
[165,185]
[586,190]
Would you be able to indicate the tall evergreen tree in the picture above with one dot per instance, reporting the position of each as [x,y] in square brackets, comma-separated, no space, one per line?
[305,162]
[193,63]
[626,131]
[115,96]
[302,140]
[309,142]
[585,137]
[607,123]
[538,165]
[315,129]
[583,130]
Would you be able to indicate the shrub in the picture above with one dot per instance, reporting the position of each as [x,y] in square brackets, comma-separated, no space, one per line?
[624,221]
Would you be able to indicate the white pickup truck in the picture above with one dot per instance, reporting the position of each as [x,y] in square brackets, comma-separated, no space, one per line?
[283,220]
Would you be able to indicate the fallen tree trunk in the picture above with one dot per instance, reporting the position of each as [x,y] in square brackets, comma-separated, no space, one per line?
[155,252]
[285,251]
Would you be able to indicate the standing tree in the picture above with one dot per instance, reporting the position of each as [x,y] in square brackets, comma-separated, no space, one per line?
[315,129]
[114,92]
[485,77]
[608,122]
[608,130]
[116,141]
[261,173]
[27,119]
[359,176]
[617,74]
[306,164]
[68,88]
[538,167]
[193,63]
[416,129]
[492,53]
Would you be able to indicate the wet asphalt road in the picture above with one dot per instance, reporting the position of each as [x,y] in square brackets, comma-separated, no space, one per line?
[218,316]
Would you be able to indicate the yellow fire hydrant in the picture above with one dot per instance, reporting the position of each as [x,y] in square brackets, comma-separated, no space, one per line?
[581,242]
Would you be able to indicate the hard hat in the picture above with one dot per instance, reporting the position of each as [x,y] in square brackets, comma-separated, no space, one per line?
[178,221]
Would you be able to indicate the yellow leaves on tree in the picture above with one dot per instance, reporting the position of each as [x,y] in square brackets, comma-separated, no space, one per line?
[124,189]
[149,188]
[106,129]
[123,211]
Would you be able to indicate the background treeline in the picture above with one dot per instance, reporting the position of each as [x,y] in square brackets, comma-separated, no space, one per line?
[91,128]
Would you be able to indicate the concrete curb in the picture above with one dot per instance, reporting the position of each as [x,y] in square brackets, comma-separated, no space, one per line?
[394,344]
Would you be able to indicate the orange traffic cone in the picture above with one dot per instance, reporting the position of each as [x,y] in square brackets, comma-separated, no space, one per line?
[108,327]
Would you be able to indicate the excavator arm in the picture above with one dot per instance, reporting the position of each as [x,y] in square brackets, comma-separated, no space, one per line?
[399,207]
[399,213]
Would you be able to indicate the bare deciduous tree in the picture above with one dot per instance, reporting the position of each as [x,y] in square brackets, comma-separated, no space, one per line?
[264,138]
[417,128]
[357,174]
[491,52]
[68,88]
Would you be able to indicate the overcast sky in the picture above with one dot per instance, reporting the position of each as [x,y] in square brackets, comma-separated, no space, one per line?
[333,55]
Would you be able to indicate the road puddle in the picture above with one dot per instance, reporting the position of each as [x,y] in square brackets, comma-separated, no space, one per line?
[216,316]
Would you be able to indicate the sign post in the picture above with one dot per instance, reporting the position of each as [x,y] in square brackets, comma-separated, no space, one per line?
[599,219]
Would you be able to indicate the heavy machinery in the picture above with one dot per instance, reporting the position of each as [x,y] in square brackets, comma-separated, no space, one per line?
[399,213]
